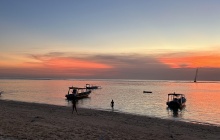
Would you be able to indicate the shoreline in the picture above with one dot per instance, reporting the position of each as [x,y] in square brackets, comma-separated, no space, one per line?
[181,120]
[22,120]
[118,111]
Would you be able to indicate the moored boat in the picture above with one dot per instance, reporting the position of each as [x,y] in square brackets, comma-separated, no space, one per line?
[88,86]
[147,91]
[77,93]
[176,101]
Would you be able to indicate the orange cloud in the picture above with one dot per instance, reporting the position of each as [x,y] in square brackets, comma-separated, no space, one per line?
[52,66]
[193,61]
[74,63]
[64,63]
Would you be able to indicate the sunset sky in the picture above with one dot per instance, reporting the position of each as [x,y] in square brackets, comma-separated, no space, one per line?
[126,39]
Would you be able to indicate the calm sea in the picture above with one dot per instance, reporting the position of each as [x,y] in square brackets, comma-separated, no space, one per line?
[202,106]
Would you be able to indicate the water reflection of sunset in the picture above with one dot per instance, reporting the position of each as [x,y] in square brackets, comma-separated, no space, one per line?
[204,98]
[202,103]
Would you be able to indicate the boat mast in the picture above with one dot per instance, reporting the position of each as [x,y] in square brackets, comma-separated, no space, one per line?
[195,79]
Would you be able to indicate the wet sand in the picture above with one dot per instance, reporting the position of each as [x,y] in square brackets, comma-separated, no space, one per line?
[19,120]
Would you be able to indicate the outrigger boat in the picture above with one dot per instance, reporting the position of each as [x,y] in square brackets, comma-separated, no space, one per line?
[77,93]
[88,86]
[176,101]
[147,91]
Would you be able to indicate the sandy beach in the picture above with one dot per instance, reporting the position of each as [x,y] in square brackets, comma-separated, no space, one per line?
[19,120]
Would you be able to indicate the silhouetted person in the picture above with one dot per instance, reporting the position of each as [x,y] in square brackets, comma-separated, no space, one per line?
[112,104]
[74,105]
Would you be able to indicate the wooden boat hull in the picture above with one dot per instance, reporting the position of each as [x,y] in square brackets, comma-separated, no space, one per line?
[78,96]
[93,87]
[175,105]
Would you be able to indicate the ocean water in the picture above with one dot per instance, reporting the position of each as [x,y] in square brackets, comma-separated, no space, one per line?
[202,105]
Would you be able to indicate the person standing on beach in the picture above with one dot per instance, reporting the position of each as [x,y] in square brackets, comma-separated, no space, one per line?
[74,105]
[112,104]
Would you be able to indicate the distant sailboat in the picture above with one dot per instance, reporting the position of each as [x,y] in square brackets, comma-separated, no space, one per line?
[195,79]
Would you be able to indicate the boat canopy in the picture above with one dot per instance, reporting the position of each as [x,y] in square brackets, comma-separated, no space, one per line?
[175,94]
